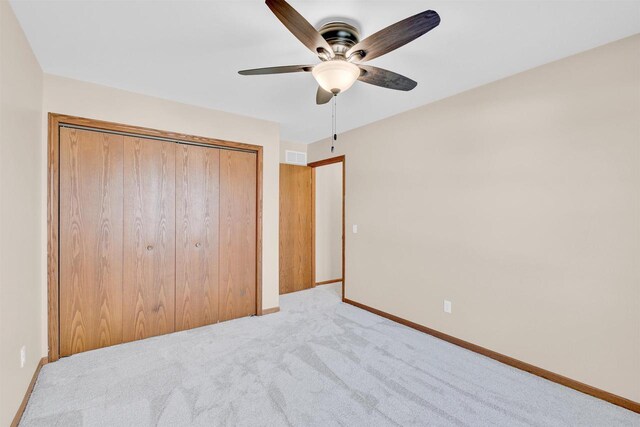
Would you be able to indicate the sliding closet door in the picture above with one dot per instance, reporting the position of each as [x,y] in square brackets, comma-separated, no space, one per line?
[149,238]
[197,222]
[90,240]
[237,234]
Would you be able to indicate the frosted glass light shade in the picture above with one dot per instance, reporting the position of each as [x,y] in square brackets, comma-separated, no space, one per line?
[336,75]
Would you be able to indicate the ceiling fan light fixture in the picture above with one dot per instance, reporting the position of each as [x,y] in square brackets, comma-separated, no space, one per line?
[336,76]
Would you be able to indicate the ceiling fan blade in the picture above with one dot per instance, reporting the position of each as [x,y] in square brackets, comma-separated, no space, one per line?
[276,70]
[385,78]
[300,27]
[322,96]
[394,36]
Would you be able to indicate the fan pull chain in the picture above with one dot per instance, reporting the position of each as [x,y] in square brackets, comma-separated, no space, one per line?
[334,132]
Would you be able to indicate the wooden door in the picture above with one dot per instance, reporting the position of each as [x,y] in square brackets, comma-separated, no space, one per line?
[296,228]
[91,203]
[149,238]
[238,188]
[197,222]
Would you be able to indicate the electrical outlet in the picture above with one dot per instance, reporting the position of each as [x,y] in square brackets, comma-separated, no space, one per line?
[447,306]
[23,356]
[355,228]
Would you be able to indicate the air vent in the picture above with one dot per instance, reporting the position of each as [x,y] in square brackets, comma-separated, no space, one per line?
[295,157]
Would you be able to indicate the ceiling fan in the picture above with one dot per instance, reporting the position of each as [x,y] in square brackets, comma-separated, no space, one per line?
[341,51]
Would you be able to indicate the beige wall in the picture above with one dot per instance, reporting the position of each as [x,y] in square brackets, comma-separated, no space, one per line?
[292,146]
[519,201]
[20,212]
[77,98]
[328,222]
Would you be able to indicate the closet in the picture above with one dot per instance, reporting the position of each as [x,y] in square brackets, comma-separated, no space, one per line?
[155,236]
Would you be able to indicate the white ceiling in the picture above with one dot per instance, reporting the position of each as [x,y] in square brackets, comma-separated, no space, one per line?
[190,51]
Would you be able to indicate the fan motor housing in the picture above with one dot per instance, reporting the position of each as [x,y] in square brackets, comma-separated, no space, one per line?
[340,36]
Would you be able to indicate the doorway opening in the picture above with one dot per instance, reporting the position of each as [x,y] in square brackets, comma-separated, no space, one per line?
[328,182]
[312,226]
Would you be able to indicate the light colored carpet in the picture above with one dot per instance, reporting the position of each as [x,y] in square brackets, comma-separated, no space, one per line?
[318,362]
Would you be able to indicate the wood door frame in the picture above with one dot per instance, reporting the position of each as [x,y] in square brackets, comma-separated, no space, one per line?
[53,202]
[338,159]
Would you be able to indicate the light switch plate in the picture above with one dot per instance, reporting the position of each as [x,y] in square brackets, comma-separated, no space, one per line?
[355,228]
[23,356]
[447,306]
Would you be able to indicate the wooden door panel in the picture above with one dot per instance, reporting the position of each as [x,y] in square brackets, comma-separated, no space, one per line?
[296,228]
[149,238]
[197,222]
[237,234]
[91,203]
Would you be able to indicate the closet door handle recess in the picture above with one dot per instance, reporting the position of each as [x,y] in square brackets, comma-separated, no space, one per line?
[149,247]
[198,244]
